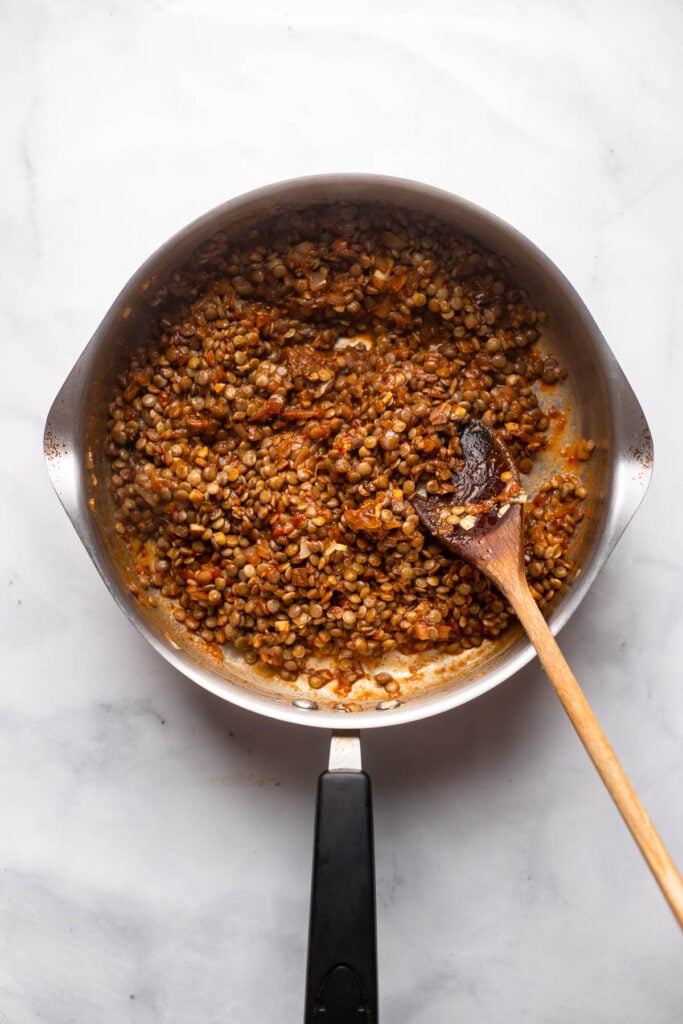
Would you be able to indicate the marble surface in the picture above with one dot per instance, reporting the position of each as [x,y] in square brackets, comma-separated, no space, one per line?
[155,842]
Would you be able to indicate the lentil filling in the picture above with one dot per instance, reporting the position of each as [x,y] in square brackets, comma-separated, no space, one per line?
[301,380]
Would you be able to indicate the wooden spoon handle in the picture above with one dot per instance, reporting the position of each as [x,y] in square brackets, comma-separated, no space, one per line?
[598,747]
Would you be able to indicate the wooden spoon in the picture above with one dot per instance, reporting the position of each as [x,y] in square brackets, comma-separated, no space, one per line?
[482,522]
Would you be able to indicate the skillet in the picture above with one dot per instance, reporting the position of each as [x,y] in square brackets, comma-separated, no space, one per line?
[596,401]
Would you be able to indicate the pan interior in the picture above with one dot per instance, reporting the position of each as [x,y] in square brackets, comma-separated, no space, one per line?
[430,680]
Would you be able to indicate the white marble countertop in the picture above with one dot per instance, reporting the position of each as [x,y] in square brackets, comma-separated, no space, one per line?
[155,843]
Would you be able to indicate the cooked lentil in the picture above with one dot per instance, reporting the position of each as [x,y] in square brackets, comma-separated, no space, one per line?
[300,381]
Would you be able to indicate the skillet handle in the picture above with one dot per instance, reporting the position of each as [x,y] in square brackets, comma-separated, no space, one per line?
[341,979]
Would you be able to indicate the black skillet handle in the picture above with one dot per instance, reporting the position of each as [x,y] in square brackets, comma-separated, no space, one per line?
[341,981]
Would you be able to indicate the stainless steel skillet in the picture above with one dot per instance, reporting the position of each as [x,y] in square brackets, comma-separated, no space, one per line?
[597,402]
